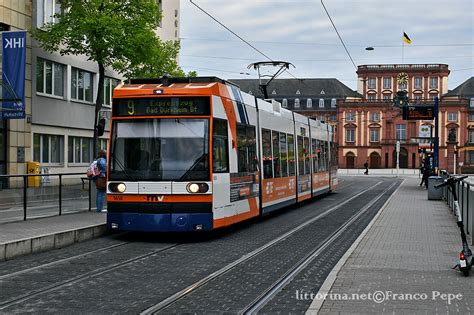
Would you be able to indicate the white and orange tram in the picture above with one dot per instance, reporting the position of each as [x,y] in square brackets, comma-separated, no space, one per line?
[192,154]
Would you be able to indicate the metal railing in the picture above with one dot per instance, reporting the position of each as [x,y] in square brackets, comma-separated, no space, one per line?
[39,195]
[465,193]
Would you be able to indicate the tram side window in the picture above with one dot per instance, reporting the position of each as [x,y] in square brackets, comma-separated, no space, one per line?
[291,155]
[276,154]
[267,153]
[283,155]
[314,148]
[246,148]
[324,150]
[220,147]
[307,156]
[300,156]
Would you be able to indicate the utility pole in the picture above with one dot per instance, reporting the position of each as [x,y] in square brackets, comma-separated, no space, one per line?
[398,156]
[436,144]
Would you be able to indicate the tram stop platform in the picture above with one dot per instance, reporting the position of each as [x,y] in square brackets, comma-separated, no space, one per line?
[401,263]
[36,235]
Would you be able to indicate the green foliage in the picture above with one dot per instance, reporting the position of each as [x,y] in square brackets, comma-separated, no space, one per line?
[114,33]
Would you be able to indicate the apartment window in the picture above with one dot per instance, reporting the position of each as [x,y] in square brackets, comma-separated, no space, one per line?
[433,82]
[350,135]
[80,150]
[387,83]
[333,117]
[371,83]
[285,103]
[471,102]
[350,116]
[401,132]
[371,97]
[309,103]
[321,103]
[297,103]
[471,136]
[418,82]
[452,116]
[387,97]
[81,85]
[374,117]
[374,134]
[471,157]
[49,77]
[48,149]
[471,117]
[333,102]
[109,85]
[418,97]
[46,9]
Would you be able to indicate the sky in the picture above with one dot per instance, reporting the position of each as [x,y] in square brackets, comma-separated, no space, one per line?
[300,32]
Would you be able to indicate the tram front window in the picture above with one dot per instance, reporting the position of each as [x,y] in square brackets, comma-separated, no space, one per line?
[160,150]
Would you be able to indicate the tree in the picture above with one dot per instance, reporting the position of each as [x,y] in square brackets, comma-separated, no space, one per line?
[113,33]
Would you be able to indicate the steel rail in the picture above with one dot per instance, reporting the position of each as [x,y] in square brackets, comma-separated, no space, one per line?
[273,290]
[182,293]
[88,275]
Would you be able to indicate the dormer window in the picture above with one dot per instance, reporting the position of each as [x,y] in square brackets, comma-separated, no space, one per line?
[297,103]
[333,102]
[285,103]
[309,103]
[321,103]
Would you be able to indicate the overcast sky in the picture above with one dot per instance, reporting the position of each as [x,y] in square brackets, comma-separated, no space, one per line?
[299,31]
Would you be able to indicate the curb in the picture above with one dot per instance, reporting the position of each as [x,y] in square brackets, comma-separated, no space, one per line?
[316,305]
[46,242]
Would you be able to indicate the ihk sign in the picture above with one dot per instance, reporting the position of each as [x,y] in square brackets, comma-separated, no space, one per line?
[13,75]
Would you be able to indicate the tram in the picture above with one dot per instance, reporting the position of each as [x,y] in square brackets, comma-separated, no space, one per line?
[196,154]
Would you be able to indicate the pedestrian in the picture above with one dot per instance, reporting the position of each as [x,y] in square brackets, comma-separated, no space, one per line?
[366,165]
[426,173]
[101,180]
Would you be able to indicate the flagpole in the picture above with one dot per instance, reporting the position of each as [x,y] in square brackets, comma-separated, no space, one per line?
[403,46]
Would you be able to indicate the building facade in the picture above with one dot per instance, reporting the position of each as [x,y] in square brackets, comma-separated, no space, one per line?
[60,95]
[370,127]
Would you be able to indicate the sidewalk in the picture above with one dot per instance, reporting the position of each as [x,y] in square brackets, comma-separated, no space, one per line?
[31,236]
[402,264]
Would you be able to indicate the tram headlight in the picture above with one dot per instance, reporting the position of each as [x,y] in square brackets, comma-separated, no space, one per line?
[117,187]
[195,188]
[121,187]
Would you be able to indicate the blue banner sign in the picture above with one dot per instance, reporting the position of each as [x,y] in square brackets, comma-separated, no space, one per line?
[13,75]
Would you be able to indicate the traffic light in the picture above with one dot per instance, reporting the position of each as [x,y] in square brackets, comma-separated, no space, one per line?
[401,99]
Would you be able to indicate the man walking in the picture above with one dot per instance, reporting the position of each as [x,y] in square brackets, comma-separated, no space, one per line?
[366,165]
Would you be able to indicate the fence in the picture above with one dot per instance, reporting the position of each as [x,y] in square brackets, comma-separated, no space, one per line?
[465,194]
[39,195]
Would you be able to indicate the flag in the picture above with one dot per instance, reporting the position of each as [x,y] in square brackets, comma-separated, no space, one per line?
[406,39]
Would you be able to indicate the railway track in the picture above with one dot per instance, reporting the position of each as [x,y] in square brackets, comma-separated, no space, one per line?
[97,274]
[260,301]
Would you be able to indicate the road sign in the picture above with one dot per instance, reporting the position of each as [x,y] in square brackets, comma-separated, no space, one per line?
[418,112]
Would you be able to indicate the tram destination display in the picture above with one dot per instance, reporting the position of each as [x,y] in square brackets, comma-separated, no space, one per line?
[418,112]
[162,106]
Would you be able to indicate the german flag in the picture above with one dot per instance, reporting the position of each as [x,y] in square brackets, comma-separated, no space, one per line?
[406,39]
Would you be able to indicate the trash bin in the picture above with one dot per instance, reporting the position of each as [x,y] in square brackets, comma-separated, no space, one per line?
[435,193]
[33,168]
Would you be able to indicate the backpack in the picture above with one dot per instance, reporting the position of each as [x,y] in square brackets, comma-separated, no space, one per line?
[93,170]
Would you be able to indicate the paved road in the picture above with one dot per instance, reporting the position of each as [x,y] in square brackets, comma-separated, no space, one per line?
[133,272]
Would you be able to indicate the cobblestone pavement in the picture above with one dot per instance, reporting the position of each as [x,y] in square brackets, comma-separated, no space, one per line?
[140,283]
[404,262]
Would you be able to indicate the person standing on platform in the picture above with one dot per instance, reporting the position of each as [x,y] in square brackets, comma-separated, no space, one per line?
[101,180]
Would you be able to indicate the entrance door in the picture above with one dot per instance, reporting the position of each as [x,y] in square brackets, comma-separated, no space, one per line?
[350,160]
[375,160]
